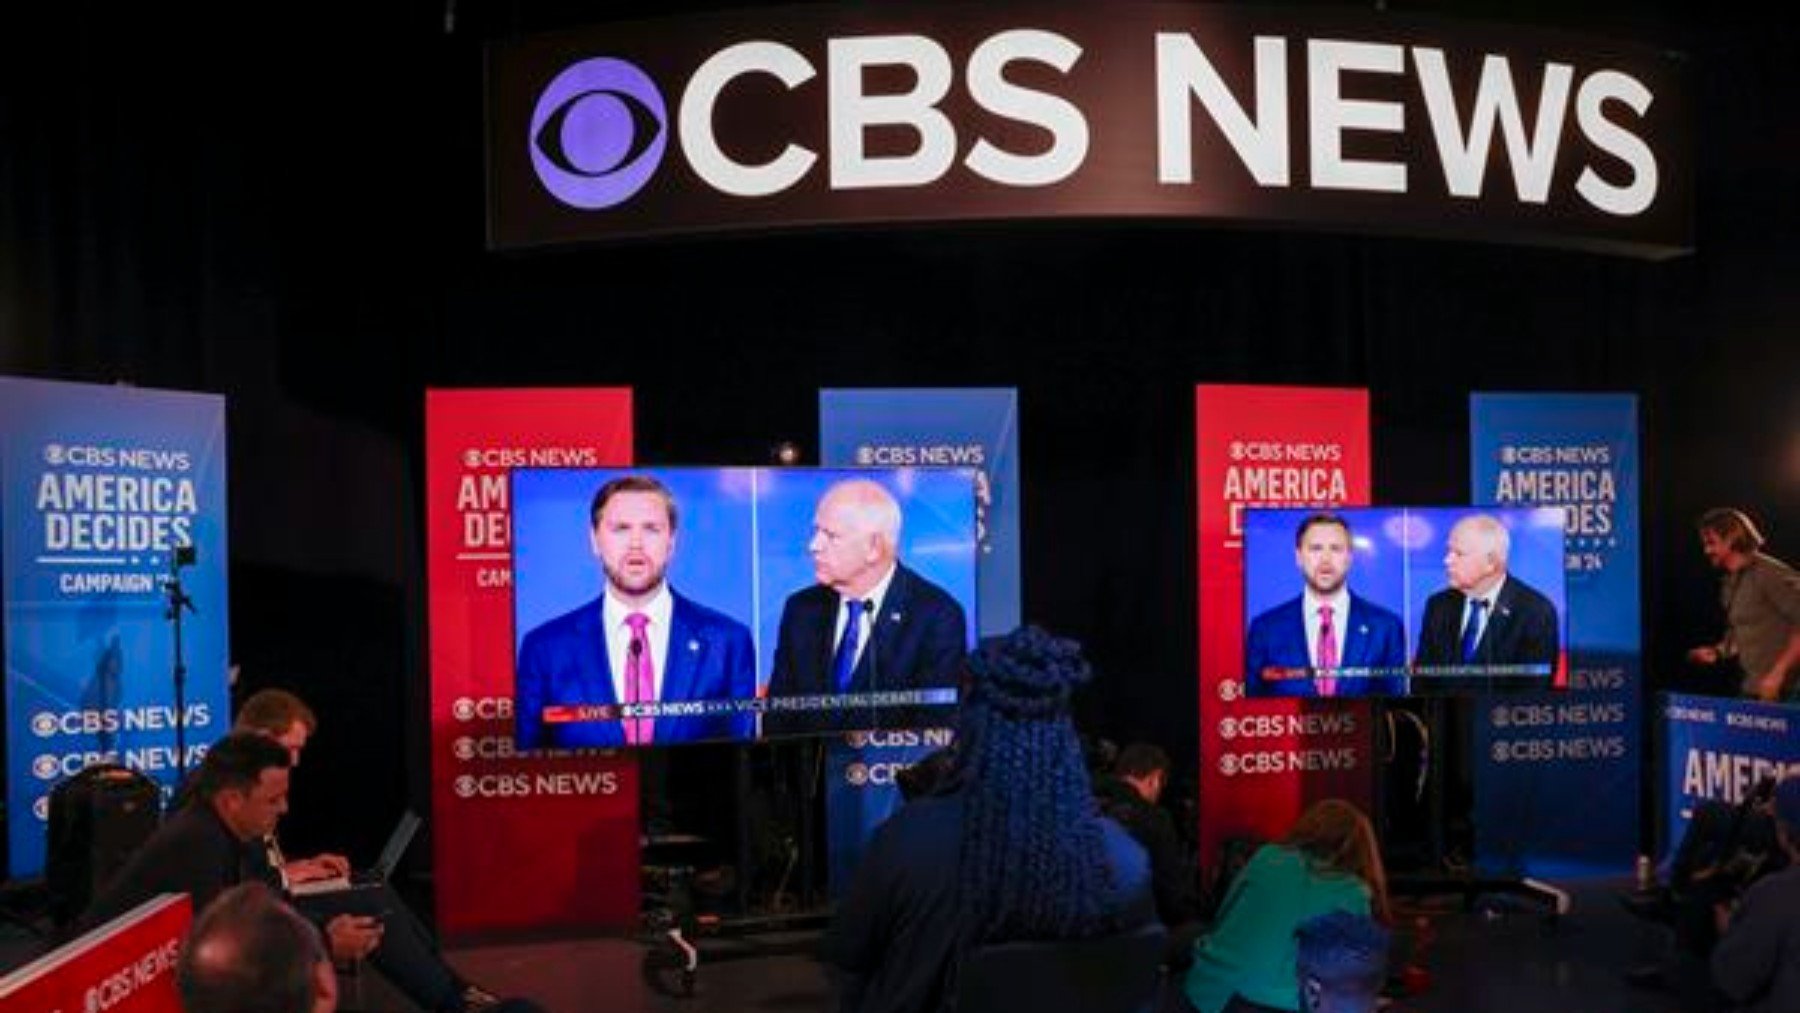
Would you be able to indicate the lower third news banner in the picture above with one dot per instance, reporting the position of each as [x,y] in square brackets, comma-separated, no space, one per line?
[110,493]
[1262,761]
[962,428]
[1556,773]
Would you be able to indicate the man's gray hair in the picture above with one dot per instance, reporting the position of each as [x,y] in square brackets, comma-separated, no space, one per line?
[1499,540]
[873,505]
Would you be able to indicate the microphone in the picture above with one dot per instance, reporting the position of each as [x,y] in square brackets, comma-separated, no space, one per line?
[634,651]
[869,649]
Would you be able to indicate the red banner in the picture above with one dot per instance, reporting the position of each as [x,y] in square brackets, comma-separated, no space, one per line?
[124,966]
[1262,761]
[520,842]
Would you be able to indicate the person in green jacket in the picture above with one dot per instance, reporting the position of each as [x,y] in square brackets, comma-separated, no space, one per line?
[1329,861]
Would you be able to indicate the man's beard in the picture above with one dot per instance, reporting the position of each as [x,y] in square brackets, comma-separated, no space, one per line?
[650,582]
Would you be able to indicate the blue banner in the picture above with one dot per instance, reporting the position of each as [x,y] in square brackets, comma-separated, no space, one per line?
[98,488]
[1716,749]
[967,428]
[1556,773]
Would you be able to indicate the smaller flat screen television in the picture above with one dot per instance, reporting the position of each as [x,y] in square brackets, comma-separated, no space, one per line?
[1403,601]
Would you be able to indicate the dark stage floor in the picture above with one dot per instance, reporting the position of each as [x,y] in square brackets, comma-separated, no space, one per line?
[1479,963]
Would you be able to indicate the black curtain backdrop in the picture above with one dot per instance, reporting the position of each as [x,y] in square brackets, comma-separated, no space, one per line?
[286,207]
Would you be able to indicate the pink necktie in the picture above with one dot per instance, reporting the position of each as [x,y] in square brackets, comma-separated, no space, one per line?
[1328,653]
[640,679]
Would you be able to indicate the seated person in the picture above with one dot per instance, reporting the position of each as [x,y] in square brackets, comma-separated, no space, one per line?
[1328,862]
[237,794]
[249,951]
[1015,851]
[1756,964]
[279,715]
[401,947]
[1341,960]
[1723,850]
[1130,795]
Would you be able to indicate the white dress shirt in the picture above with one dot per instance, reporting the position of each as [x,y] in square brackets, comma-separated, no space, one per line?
[1492,597]
[875,597]
[618,637]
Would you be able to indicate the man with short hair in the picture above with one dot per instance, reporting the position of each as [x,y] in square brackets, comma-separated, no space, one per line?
[247,951]
[1761,598]
[279,715]
[365,920]
[1326,627]
[1756,964]
[239,792]
[1130,795]
[1341,961]
[641,641]
[870,623]
[1487,616]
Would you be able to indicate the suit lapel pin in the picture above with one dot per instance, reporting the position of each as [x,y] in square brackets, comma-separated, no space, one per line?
[693,645]
[893,617]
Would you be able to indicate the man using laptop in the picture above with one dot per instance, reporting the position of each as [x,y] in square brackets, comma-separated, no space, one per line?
[404,950]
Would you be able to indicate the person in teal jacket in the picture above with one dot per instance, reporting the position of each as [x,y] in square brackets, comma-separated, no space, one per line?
[1329,861]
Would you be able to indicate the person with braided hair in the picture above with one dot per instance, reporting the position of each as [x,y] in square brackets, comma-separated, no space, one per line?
[1018,850]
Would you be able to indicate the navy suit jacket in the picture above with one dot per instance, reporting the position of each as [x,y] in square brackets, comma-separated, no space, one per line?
[917,642]
[565,662]
[1522,630]
[1373,637]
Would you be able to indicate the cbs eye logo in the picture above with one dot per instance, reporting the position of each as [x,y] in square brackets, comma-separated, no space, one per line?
[598,133]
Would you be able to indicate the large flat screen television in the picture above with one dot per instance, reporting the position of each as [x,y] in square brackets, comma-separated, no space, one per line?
[665,606]
[1403,601]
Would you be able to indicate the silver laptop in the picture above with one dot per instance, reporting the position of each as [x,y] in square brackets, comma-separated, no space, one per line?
[375,875]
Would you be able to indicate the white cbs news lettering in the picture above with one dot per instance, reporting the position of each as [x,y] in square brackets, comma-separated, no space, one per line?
[1728,777]
[1260,131]
[123,983]
[520,784]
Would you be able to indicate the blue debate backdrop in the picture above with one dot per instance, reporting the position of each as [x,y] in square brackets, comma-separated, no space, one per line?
[937,536]
[1556,775]
[100,485]
[1378,558]
[974,428]
[1535,558]
[554,566]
